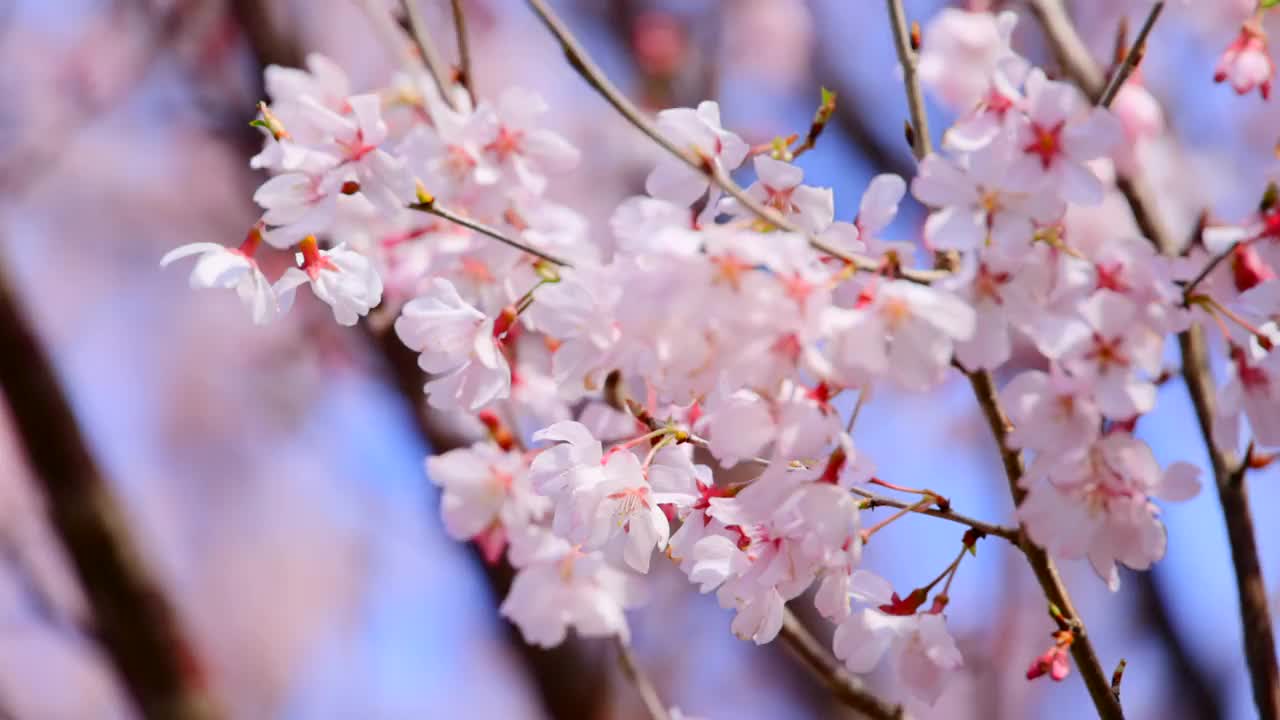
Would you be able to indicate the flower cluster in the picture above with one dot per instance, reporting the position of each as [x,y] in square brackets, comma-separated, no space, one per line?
[735,322]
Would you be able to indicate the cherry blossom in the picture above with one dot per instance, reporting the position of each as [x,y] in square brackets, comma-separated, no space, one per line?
[922,651]
[560,587]
[699,132]
[486,494]
[458,342]
[223,267]
[1058,135]
[1246,63]
[341,277]
[1097,504]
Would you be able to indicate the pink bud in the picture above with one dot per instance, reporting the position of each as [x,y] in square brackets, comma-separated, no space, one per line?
[1246,64]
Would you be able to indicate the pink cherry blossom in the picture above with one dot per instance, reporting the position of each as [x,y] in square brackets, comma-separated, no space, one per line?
[343,278]
[922,651]
[223,267]
[1246,63]
[699,132]
[1097,504]
[1058,135]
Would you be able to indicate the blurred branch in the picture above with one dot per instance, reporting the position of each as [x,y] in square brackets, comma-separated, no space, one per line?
[427,51]
[465,78]
[259,21]
[844,685]
[1197,692]
[1228,470]
[648,693]
[131,619]
[570,678]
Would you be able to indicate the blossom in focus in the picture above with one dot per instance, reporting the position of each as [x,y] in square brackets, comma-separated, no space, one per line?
[558,587]
[698,132]
[457,342]
[223,267]
[343,278]
[921,649]
[486,495]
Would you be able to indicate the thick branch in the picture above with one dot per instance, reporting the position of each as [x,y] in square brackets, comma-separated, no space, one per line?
[131,619]
[569,678]
[984,390]
[1255,614]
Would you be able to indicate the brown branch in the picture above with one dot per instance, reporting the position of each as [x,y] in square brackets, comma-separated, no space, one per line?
[1095,678]
[1233,495]
[844,685]
[1011,534]
[465,79]
[907,58]
[1228,471]
[1131,58]
[131,620]
[984,389]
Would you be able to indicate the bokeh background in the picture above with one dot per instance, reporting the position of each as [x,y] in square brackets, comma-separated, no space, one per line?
[274,475]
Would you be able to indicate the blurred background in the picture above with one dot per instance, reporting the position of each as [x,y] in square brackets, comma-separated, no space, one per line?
[274,476]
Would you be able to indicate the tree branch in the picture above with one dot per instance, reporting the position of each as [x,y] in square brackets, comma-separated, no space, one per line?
[1095,677]
[427,51]
[907,58]
[1228,471]
[131,619]
[648,693]
[1131,58]
[430,206]
[844,685]
[465,78]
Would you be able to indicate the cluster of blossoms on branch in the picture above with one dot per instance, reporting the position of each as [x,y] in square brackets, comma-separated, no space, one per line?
[599,366]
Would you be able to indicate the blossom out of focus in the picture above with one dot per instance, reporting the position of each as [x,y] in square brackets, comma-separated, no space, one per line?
[646,376]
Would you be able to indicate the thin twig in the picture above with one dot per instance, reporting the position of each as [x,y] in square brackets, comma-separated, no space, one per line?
[1209,267]
[595,77]
[1255,613]
[464,50]
[846,687]
[648,693]
[427,51]
[1013,535]
[908,58]
[1131,58]
[389,34]
[131,620]
[434,209]
[616,398]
